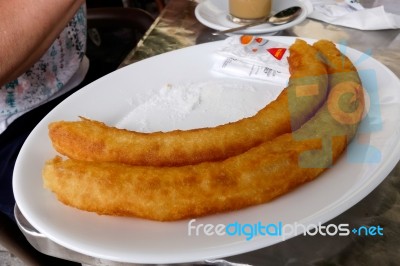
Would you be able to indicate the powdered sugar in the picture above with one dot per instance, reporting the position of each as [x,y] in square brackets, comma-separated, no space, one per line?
[197,104]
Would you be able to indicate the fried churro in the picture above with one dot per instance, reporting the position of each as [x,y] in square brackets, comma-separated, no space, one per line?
[257,176]
[90,140]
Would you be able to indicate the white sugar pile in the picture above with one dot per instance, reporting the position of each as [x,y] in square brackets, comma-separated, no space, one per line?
[195,105]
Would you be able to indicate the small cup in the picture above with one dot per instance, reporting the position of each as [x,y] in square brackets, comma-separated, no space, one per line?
[248,11]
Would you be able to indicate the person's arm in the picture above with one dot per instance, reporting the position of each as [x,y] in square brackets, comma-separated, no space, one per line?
[27,29]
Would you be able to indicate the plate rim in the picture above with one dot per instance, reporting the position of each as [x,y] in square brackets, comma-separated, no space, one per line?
[361,193]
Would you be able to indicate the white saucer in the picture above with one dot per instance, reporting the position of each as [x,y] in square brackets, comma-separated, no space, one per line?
[214,14]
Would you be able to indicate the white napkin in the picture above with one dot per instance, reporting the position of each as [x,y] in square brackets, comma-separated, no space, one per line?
[350,13]
[253,57]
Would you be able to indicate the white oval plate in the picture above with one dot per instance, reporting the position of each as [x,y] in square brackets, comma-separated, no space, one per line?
[214,14]
[140,241]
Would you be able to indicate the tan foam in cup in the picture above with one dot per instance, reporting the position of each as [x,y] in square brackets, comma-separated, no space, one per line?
[247,11]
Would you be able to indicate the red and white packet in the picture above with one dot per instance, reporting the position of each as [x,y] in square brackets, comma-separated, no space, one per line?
[253,57]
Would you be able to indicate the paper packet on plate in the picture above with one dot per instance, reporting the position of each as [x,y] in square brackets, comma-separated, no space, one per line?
[253,57]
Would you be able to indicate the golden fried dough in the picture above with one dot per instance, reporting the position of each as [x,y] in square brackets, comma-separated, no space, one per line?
[90,140]
[253,177]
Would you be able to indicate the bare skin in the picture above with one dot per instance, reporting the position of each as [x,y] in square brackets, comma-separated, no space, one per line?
[27,29]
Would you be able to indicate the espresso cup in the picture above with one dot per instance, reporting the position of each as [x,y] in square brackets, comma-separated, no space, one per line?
[248,11]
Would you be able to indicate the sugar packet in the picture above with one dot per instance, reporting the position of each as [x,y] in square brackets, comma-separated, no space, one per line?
[253,57]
